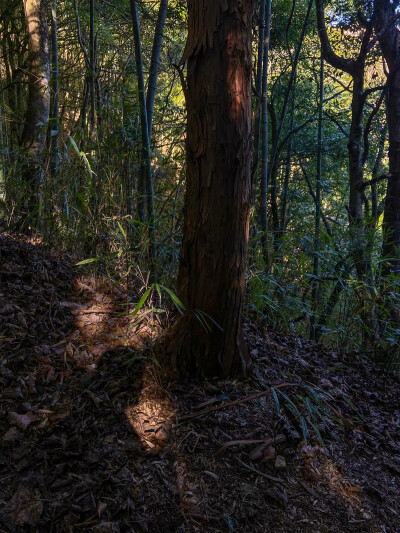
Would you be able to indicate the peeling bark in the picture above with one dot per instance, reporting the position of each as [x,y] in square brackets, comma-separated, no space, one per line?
[217,205]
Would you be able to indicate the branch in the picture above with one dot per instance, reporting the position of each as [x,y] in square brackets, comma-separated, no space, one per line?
[362,19]
[381,33]
[80,39]
[293,131]
[364,184]
[180,68]
[341,63]
[255,396]
[371,90]
[335,121]
[368,126]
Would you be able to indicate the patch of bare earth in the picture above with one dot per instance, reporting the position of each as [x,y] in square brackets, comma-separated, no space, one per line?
[93,440]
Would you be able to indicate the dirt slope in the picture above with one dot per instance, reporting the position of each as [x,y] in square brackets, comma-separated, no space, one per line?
[91,438]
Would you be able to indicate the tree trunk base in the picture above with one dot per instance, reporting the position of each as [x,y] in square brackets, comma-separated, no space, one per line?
[183,354]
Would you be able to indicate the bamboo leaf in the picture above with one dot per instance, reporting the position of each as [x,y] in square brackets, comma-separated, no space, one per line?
[317,432]
[87,261]
[178,304]
[74,145]
[304,428]
[275,396]
[141,301]
[204,314]
[121,228]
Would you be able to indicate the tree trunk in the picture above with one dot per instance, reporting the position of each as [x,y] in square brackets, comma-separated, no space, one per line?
[358,246]
[218,190]
[288,170]
[147,183]
[54,128]
[275,147]
[92,56]
[257,121]
[317,230]
[386,26]
[264,137]
[356,175]
[38,106]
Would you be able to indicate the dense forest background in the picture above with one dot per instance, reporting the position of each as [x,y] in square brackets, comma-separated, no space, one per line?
[199,266]
[92,145]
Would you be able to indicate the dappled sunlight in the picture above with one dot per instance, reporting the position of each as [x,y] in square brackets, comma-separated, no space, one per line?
[236,78]
[319,468]
[153,415]
[342,487]
[103,323]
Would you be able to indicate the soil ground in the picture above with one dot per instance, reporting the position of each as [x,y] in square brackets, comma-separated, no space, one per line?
[93,439]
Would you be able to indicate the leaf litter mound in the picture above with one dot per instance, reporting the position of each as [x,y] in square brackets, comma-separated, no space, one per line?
[92,439]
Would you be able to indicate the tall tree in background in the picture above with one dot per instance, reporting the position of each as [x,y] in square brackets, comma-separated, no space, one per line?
[146,180]
[271,179]
[218,190]
[358,241]
[38,105]
[389,39]
[92,63]
[317,227]
[264,132]
[154,62]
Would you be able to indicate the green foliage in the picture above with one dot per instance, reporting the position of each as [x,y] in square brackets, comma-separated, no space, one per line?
[91,204]
[311,410]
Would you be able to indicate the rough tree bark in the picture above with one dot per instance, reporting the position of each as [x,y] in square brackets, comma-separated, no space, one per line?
[38,106]
[218,190]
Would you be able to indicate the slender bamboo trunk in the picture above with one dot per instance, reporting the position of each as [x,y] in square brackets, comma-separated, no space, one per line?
[274,149]
[54,122]
[82,120]
[317,227]
[288,169]
[3,150]
[264,136]
[146,193]
[92,67]
[259,79]
[375,173]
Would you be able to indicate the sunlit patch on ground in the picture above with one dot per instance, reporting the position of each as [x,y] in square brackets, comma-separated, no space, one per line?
[153,415]
[83,414]
[322,470]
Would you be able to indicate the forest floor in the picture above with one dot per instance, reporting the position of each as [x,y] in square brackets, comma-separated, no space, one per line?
[92,439]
